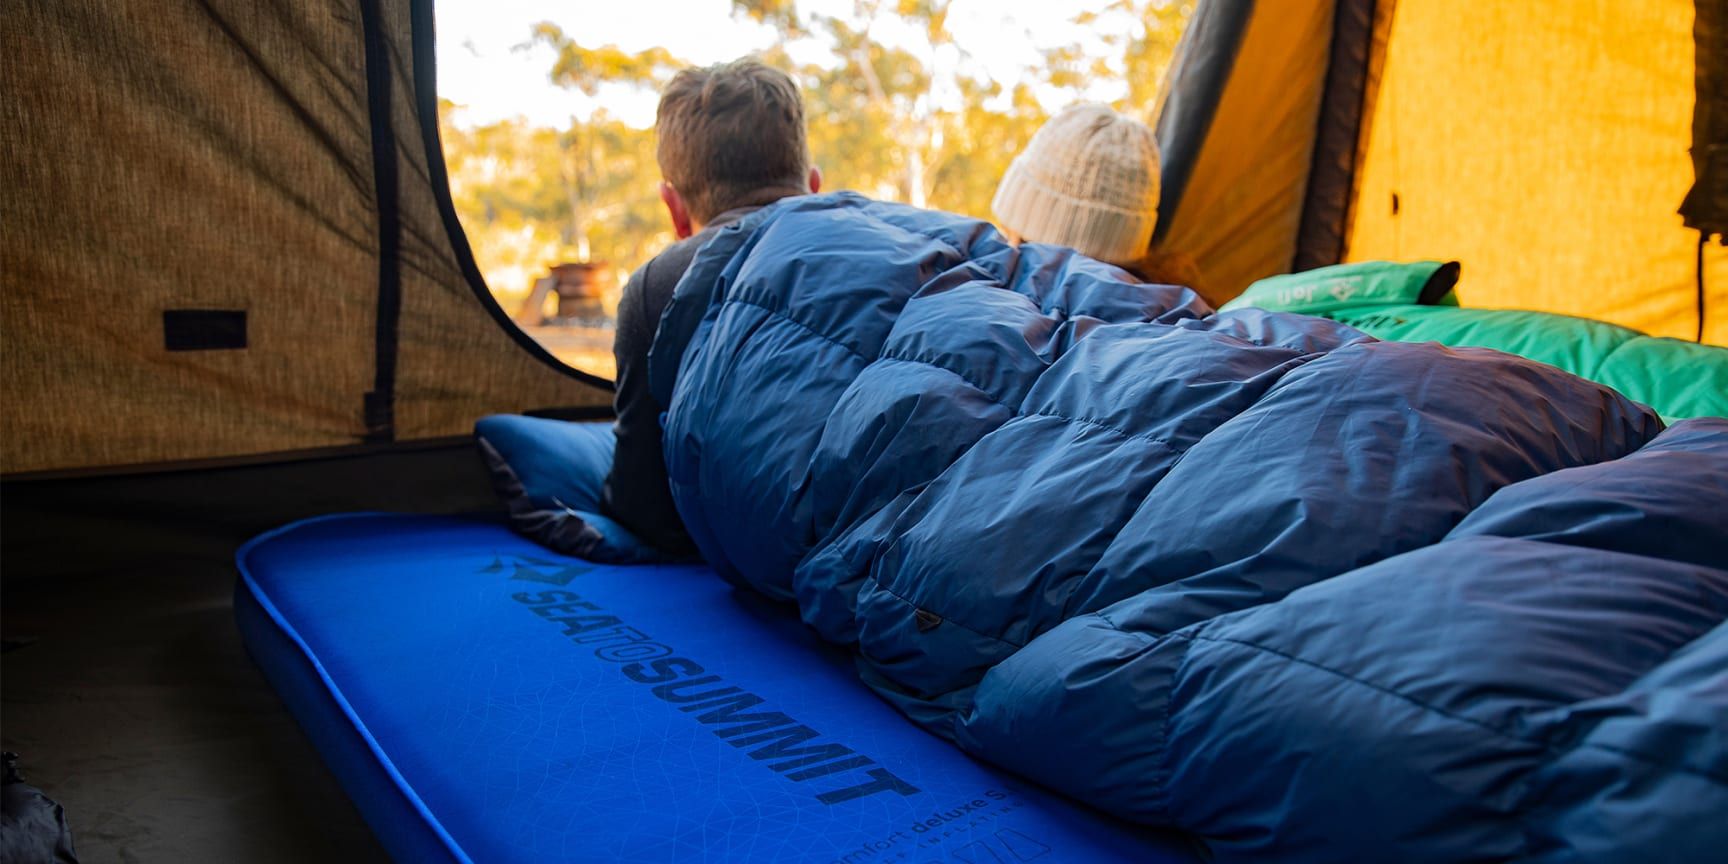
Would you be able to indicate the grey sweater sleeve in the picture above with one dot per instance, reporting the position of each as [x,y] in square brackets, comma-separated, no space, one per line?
[637,493]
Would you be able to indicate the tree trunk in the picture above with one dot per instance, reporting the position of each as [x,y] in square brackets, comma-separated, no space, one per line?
[915,194]
[581,164]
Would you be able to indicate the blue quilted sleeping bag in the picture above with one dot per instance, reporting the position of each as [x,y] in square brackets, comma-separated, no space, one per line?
[1311,596]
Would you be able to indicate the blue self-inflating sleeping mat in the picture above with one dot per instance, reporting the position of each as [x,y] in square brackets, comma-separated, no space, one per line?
[484,700]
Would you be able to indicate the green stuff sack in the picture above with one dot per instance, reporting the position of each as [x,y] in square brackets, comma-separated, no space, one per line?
[1344,287]
[1414,302]
[1679,379]
[1578,345]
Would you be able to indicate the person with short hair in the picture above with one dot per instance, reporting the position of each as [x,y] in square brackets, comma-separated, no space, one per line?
[1088,180]
[731,141]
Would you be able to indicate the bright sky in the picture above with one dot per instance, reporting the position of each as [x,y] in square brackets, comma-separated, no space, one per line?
[484,65]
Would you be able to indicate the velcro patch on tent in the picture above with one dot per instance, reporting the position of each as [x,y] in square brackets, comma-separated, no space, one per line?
[203,329]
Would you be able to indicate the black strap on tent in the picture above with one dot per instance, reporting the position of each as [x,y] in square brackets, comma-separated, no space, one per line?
[1343,104]
[1706,204]
[426,107]
[380,402]
[1702,318]
[1197,77]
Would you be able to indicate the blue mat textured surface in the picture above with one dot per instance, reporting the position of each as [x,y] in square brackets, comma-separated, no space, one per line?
[482,699]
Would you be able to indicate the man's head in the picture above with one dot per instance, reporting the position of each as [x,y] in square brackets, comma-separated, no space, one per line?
[731,135]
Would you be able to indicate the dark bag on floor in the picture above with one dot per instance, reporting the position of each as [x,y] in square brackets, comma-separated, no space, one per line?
[33,828]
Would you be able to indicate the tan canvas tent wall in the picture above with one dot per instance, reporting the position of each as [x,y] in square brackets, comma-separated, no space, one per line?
[226,232]
[1547,144]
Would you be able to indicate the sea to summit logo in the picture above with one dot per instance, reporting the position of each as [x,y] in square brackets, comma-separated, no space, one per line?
[1343,289]
[835,772]
[537,570]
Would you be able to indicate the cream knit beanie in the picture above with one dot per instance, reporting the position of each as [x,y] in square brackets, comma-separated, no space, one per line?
[1088,179]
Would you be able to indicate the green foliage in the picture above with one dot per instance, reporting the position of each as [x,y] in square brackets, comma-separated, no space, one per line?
[782,15]
[587,69]
[525,206]
[530,197]
[978,143]
[1142,58]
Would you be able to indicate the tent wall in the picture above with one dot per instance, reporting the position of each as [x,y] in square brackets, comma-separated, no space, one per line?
[1237,162]
[1360,29]
[1706,206]
[168,159]
[1544,144]
[461,356]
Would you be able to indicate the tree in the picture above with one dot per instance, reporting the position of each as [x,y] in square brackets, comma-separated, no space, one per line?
[913,119]
[513,186]
[877,124]
[588,70]
[873,119]
[1140,55]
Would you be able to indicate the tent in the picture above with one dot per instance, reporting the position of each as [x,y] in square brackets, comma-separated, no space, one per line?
[228,231]
[235,292]
[1548,145]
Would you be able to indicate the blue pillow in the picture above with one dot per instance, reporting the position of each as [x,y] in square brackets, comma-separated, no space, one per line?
[550,474]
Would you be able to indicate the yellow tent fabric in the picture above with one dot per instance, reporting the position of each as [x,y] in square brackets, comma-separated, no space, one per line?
[1545,145]
[1239,212]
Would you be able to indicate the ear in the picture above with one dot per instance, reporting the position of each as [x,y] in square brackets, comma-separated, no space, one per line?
[675,208]
[815,179]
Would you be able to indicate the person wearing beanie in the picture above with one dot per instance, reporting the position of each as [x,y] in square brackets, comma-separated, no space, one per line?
[1089,180]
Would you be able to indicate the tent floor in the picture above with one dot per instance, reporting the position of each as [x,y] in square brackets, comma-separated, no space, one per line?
[125,688]
[138,710]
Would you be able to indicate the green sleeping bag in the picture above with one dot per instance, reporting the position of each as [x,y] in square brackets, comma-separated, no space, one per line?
[1414,302]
